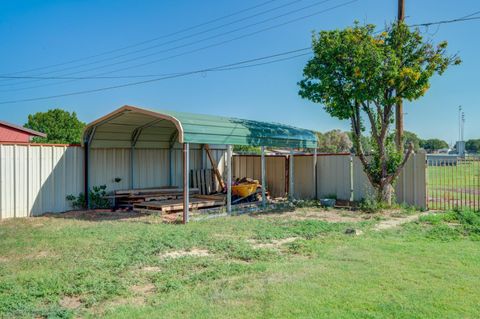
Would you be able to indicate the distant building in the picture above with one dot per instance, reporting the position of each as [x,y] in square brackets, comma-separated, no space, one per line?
[444,151]
[13,133]
[460,148]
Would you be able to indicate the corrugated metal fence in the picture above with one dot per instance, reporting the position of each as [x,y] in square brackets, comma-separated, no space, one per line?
[150,169]
[339,176]
[36,179]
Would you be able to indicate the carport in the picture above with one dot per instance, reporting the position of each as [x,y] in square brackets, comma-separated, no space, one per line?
[134,127]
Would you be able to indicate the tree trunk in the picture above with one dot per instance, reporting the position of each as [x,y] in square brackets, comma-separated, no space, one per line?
[385,193]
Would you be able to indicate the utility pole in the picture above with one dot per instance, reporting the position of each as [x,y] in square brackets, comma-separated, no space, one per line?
[399,106]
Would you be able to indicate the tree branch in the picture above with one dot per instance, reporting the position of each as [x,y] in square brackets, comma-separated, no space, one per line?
[357,134]
[373,122]
[402,164]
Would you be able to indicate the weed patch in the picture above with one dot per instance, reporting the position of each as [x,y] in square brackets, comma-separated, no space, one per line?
[453,225]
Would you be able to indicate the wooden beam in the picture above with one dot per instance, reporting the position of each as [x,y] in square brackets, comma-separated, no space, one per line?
[214,167]
[399,106]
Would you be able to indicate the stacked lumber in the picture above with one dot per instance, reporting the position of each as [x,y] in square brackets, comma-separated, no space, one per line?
[203,180]
[128,197]
[196,202]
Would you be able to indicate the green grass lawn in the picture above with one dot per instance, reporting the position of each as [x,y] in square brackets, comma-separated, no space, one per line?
[275,266]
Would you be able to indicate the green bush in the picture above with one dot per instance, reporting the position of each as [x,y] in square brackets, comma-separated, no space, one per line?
[96,197]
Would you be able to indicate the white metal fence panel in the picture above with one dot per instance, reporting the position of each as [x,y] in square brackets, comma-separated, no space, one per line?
[362,188]
[108,164]
[333,176]
[410,187]
[36,179]
[151,167]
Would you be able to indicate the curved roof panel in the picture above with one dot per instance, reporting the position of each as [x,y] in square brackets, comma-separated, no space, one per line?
[156,129]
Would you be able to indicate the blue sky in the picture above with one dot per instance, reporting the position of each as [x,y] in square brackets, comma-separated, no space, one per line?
[45,32]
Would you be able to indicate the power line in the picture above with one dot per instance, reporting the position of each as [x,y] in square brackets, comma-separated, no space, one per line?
[471,14]
[168,74]
[163,44]
[175,48]
[152,39]
[232,66]
[201,48]
[444,22]
[142,75]
[464,18]
[226,67]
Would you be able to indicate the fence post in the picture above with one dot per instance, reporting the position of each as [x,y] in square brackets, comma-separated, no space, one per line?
[414,179]
[186,182]
[352,194]
[291,175]
[229,179]
[264,180]
[315,172]
[2,162]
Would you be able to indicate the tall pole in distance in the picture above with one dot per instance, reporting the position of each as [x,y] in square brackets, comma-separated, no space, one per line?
[460,123]
[399,106]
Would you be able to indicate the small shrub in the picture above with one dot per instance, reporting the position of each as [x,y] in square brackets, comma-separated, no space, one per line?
[306,203]
[444,233]
[96,196]
[371,205]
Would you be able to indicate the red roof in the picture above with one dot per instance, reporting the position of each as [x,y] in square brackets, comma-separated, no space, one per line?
[23,129]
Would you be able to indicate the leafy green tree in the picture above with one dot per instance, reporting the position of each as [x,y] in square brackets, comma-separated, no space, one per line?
[365,143]
[411,138]
[434,144]
[246,149]
[359,75]
[61,127]
[473,146]
[334,141]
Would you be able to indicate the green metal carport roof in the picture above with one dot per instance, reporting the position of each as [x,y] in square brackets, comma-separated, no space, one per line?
[157,129]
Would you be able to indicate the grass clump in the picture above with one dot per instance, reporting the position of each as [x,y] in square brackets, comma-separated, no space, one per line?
[453,224]
[371,205]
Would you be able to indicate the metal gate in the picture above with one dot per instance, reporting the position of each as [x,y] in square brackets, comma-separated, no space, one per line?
[453,182]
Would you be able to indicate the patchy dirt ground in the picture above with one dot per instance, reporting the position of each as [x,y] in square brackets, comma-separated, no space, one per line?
[150,269]
[143,289]
[332,215]
[97,215]
[388,218]
[70,302]
[195,252]
[396,221]
[276,243]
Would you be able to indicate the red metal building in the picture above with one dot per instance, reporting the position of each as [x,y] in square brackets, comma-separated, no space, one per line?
[14,133]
